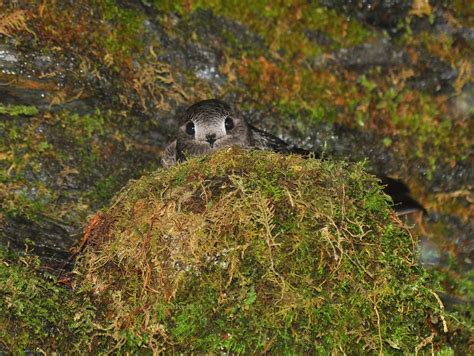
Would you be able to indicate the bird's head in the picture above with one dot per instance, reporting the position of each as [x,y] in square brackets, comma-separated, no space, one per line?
[209,125]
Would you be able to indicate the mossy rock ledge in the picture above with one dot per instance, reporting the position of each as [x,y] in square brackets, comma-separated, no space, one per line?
[252,251]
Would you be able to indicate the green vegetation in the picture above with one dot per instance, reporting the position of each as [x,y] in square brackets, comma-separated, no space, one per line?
[464,11]
[458,285]
[282,27]
[126,29]
[116,37]
[236,291]
[260,252]
[18,110]
[36,314]
[78,145]
[379,102]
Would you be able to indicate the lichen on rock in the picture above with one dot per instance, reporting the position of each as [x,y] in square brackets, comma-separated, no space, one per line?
[252,251]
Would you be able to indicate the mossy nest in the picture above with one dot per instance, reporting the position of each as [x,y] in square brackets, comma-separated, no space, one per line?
[252,251]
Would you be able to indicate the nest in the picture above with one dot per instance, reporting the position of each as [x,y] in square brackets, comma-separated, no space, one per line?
[251,251]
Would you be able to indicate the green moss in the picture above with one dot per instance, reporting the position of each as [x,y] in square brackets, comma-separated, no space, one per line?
[18,110]
[125,37]
[464,11]
[280,78]
[103,189]
[41,146]
[107,51]
[282,27]
[83,150]
[36,314]
[251,251]
[167,6]
[459,286]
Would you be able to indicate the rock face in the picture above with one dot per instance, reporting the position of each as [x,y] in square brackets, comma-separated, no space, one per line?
[104,101]
[89,94]
[252,251]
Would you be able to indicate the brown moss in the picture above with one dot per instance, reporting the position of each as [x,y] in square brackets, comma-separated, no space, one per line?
[246,251]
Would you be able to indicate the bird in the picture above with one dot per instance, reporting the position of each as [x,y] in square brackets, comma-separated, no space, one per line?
[213,124]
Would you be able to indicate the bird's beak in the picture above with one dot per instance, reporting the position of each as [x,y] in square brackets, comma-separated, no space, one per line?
[211,141]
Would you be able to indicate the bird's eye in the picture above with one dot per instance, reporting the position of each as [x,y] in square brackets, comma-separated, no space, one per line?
[229,123]
[190,128]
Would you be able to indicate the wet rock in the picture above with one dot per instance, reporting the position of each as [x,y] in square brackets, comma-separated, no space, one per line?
[446,178]
[73,173]
[459,236]
[218,31]
[29,78]
[332,140]
[8,60]
[198,43]
[463,104]
[203,61]
[435,76]
[319,37]
[379,54]
[466,34]
[45,237]
[43,63]
[385,14]
[430,254]
[439,23]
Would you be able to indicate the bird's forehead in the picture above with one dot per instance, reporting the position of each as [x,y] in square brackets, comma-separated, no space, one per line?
[207,111]
[209,117]
[206,119]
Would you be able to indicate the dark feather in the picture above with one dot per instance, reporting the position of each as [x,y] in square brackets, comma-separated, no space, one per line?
[403,203]
[209,115]
[266,141]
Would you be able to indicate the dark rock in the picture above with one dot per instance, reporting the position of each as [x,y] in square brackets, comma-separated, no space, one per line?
[8,60]
[368,55]
[385,14]
[214,29]
[439,24]
[48,239]
[435,76]
[331,140]
[466,33]
[458,234]
[199,41]
[33,79]
[319,37]
[463,104]
[202,60]
[448,179]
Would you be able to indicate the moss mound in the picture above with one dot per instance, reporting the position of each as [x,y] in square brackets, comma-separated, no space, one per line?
[251,251]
